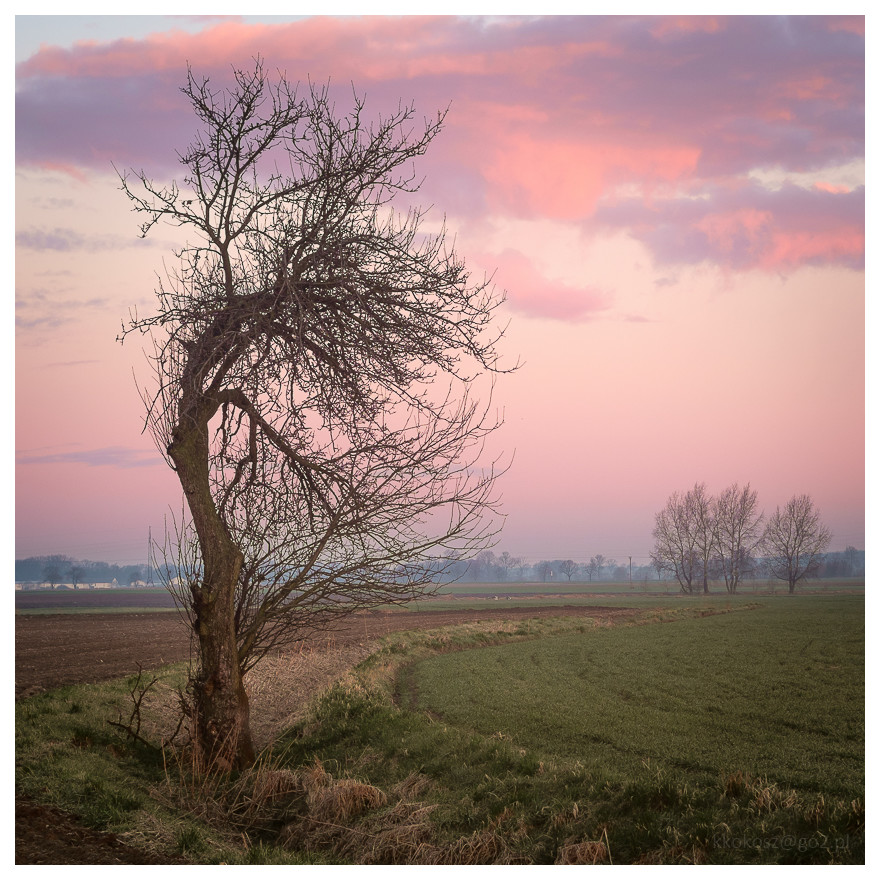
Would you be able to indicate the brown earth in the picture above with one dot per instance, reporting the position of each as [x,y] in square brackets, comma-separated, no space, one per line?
[52,650]
[57,649]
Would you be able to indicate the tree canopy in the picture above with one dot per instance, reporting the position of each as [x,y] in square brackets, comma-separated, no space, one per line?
[313,355]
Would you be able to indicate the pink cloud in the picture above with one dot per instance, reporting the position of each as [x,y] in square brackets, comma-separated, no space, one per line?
[748,227]
[807,88]
[549,117]
[66,168]
[686,24]
[532,293]
[795,248]
[853,24]
[564,179]
[824,186]
[726,231]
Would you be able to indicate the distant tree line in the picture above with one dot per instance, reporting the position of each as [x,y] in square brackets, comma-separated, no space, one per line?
[57,569]
[486,567]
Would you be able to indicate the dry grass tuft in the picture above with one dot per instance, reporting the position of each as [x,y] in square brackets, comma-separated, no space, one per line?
[272,784]
[674,855]
[566,817]
[252,800]
[816,813]
[344,799]
[587,852]
[767,797]
[411,787]
[736,784]
[314,776]
[400,835]
[347,817]
[857,813]
[480,848]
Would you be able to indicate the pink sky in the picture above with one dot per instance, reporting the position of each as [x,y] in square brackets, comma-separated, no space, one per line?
[674,205]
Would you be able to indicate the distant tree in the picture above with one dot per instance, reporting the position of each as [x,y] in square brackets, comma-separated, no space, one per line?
[590,568]
[52,574]
[484,566]
[509,564]
[738,529]
[854,560]
[569,568]
[76,573]
[702,515]
[794,541]
[598,563]
[544,570]
[659,565]
[676,543]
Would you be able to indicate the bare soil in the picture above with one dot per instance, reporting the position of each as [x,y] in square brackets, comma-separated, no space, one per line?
[52,650]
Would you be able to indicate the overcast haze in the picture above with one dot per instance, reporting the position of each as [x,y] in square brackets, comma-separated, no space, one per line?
[674,205]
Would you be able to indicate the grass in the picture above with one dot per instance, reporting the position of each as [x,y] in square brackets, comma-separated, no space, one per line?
[665,587]
[779,694]
[725,739]
[730,738]
[67,755]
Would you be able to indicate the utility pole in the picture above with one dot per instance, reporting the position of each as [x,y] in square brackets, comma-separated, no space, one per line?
[630,570]
[150,556]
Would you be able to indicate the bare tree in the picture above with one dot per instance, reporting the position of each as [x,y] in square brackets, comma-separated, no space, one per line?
[737,532]
[76,574]
[313,356]
[569,568]
[620,573]
[854,561]
[701,513]
[794,541]
[544,570]
[51,574]
[676,543]
[598,563]
[509,563]
[485,566]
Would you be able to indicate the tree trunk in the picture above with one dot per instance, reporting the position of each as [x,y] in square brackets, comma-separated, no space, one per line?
[221,702]
[221,705]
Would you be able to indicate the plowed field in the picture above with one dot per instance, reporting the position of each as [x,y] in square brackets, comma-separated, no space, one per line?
[56,649]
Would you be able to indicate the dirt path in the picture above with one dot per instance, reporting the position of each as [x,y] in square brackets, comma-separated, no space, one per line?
[57,649]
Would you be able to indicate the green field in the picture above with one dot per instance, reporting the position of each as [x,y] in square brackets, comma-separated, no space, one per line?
[732,738]
[513,593]
[503,589]
[776,692]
